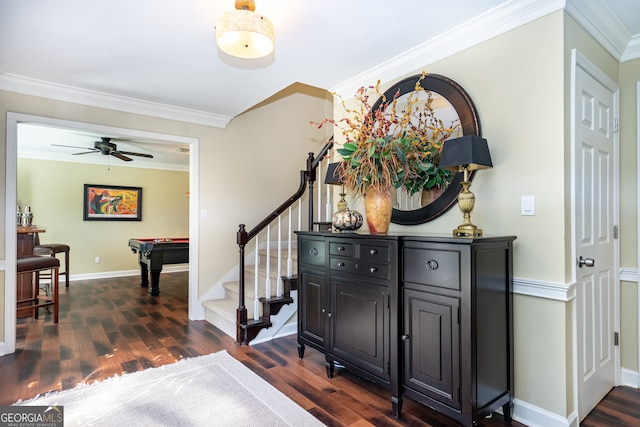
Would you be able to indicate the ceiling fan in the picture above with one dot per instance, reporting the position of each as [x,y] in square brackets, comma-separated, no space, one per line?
[107,148]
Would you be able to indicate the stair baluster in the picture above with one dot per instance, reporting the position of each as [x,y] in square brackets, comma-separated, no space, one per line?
[279,269]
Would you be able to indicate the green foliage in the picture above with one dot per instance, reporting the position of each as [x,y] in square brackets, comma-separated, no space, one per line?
[393,146]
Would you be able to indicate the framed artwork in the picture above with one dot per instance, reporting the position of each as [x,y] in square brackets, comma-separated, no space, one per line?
[112,203]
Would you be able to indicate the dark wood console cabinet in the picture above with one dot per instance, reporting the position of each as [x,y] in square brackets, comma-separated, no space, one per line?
[348,300]
[428,317]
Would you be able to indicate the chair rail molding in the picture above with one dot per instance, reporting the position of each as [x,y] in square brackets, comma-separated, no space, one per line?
[549,290]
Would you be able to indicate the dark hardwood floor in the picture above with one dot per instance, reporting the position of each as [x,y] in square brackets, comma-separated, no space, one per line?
[112,326]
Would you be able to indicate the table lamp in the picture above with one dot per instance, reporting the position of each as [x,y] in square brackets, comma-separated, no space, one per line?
[344,219]
[465,154]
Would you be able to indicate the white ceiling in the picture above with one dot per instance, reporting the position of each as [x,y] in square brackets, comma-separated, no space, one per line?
[159,57]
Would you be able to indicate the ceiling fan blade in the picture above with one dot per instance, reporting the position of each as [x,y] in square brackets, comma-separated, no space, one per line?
[73,146]
[85,152]
[120,156]
[129,153]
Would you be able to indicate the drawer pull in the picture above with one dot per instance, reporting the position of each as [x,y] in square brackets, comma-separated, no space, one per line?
[341,264]
[432,264]
[313,251]
[340,248]
[330,314]
[373,251]
[405,337]
[373,270]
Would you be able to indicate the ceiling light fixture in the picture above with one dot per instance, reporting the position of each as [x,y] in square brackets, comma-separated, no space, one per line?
[245,33]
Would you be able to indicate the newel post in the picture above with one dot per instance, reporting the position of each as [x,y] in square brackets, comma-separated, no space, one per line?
[311,178]
[241,311]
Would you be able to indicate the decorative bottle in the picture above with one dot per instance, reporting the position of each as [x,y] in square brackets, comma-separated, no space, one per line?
[27,217]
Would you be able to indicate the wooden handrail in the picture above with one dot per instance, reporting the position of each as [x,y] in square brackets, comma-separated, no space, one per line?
[307,177]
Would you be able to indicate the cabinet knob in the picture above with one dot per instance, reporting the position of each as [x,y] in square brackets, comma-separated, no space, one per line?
[330,314]
[340,248]
[341,264]
[373,269]
[432,264]
[324,310]
[405,337]
[313,252]
[373,251]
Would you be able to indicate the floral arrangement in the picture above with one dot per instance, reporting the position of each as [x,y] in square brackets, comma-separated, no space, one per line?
[395,145]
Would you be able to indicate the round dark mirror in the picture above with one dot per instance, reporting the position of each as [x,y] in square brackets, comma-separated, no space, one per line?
[452,105]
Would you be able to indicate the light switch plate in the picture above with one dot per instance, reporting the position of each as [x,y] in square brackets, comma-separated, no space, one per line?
[528,205]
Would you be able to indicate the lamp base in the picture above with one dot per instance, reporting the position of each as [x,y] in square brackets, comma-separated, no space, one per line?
[466,201]
[467,230]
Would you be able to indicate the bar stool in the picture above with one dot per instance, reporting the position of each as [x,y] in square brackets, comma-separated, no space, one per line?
[37,264]
[52,249]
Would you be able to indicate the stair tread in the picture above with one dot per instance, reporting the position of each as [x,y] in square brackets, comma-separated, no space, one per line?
[224,310]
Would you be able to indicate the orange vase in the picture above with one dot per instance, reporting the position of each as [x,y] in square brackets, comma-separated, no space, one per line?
[378,207]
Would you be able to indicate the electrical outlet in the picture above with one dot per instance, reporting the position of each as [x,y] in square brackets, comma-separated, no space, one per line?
[98,260]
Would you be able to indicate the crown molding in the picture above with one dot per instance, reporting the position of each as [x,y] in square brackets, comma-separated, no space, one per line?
[633,49]
[488,25]
[594,16]
[44,89]
[604,26]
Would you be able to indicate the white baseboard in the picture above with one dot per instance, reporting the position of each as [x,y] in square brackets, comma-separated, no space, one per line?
[124,273]
[533,416]
[286,330]
[629,378]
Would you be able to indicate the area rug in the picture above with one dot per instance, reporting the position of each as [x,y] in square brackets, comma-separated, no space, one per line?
[212,390]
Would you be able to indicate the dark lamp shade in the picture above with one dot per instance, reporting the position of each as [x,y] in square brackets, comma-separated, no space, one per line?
[470,150]
[333,174]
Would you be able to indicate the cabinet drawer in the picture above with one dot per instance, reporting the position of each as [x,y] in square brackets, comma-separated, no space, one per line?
[312,252]
[341,249]
[432,267]
[363,269]
[375,253]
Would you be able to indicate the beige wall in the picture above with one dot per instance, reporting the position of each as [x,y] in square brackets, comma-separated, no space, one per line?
[489,72]
[629,78]
[57,206]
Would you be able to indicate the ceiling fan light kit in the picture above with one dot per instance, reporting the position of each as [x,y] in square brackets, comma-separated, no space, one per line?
[244,33]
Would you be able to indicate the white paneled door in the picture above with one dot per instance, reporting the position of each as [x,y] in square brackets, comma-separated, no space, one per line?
[595,151]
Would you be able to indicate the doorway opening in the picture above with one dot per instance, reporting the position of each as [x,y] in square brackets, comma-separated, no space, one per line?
[13,121]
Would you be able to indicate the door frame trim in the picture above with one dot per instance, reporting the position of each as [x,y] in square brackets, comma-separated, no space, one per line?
[196,310]
[578,60]
[638,220]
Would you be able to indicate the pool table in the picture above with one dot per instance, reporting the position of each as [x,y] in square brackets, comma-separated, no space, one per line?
[154,253]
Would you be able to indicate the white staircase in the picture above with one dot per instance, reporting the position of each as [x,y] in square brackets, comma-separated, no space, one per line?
[263,289]
[222,312]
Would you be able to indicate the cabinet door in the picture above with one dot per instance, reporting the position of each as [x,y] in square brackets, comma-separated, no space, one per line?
[312,307]
[359,325]
[431,346]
